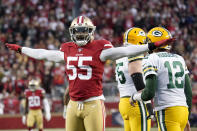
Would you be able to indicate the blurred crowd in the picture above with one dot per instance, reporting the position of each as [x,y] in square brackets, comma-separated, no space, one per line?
[45,23]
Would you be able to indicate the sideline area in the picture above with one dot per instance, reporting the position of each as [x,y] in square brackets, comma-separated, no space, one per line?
[107,129]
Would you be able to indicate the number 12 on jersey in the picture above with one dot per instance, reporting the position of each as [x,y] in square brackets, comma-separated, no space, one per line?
[175,74]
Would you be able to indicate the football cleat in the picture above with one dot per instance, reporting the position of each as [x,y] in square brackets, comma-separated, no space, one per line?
[135,36]
[82,30]
[158,34]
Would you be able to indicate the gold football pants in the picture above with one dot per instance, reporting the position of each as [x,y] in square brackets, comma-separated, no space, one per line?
[172,118]
[35,116]
[86,116]
[135,118]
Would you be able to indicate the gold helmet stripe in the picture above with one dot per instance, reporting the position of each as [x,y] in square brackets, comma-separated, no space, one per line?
[127,33]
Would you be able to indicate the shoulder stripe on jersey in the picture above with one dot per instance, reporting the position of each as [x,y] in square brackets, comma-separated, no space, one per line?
[134,58]
[150,68]
[149,71]
[127,33]
[108,45]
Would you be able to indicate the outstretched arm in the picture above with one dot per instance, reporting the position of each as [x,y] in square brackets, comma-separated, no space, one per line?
[115,53]
[40,54]
[132,50]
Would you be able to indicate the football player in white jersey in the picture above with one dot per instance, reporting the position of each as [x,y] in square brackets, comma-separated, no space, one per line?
[167,80]
[130,80]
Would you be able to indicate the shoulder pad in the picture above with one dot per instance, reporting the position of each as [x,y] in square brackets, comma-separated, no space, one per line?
[64,46]
[106,43]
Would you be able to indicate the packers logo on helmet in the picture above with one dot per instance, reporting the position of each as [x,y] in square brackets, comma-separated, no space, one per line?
[135,36]
[158,34]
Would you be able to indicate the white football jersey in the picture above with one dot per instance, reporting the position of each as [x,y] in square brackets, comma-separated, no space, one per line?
[125,83]
[170,70]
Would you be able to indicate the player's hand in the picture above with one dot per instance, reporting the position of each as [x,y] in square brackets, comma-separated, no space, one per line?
[24,120]
[132,102]
[154,45]
[48,116]
[14,47]
[135,97]
[150,110]
[187,127]
[64,112]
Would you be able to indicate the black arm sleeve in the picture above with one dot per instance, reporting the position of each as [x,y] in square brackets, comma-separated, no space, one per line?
[151,85]
[188,92]
[138,81]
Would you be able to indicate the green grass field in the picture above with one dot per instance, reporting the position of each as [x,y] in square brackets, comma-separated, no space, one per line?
[107,129]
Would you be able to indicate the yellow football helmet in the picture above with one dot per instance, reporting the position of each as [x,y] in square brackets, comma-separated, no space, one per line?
[158,34]
[34,84]
[135,36]
[82,30]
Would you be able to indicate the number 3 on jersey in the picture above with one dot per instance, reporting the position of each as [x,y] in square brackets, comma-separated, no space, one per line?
[81,66]
[175,74]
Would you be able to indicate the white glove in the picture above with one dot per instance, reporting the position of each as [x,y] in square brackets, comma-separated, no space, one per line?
[64,112]
[47,109]
[135,97]
[24,119]
[48,116]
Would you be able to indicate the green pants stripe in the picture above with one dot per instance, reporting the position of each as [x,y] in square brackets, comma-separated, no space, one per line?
[143,116]
[161,120]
